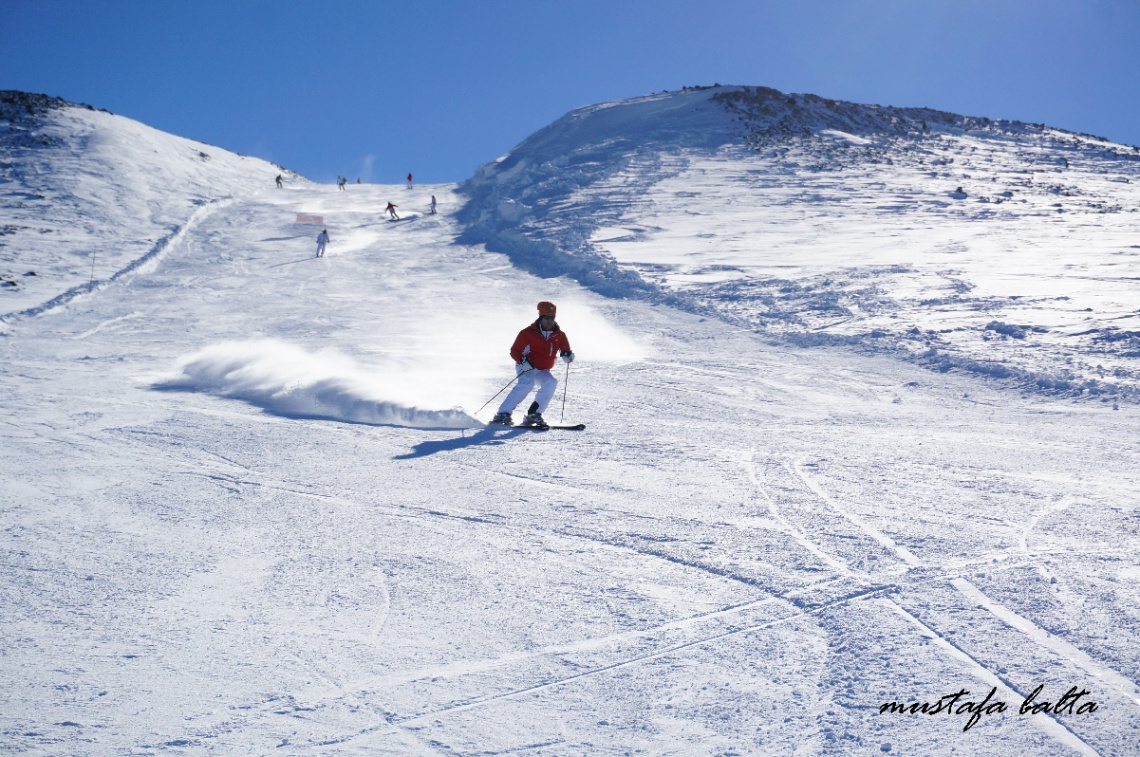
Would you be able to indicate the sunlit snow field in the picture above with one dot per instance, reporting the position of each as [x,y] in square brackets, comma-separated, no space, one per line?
[1000,248]
[249,507]
[898,243]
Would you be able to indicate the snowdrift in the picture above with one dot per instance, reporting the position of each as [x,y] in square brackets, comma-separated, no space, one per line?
[287,380]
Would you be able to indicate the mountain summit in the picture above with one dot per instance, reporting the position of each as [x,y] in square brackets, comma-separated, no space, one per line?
[966,243]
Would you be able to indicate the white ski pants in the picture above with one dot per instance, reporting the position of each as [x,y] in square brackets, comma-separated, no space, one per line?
[526,381]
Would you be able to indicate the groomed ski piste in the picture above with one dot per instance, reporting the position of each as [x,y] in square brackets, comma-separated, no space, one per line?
[248,506]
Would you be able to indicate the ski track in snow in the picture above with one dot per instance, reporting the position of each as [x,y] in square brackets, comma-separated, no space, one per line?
[637,660]
[139,265]
[1051,726]
[1051,643]
[1040,636]
[888,543]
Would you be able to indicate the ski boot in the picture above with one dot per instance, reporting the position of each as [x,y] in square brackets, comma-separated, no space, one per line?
[503,419]
[534,420]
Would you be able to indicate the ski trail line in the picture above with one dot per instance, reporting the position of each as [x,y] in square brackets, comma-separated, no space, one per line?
[584,645]
[1053,643]
[403,734]
[795,533]
[643,658]
[107,323]
[902,552]
[1049,724]
[448,670]
[1058,506]
[156,253]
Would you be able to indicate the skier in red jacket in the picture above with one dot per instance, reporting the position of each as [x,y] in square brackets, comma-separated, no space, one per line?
[535,351]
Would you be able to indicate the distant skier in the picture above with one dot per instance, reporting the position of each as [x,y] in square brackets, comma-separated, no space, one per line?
[535,351]
[340,182]
[357,179]
[279,180]
[409,181]
[392,211]
[322,240]
[433,205]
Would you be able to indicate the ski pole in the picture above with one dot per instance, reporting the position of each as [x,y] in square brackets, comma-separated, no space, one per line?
[565,386]
[516,378]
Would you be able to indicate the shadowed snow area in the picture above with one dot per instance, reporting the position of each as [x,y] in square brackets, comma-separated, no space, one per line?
[245,508]
[999,248]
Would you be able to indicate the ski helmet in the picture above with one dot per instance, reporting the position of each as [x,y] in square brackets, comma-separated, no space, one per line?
[547,308]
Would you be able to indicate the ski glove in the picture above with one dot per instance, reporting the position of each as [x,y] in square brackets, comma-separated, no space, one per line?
[568,356]
[525,365]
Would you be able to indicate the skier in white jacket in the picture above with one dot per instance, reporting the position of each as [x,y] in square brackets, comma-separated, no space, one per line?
[322,240]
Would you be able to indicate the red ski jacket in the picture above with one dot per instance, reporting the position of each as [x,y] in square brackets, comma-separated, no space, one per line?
[542,353]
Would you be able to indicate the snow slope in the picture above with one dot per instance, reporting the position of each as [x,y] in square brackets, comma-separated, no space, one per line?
[818,221]
[241,515]
[85,194]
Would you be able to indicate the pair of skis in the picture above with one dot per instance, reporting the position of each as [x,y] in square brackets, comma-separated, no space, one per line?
[549,427]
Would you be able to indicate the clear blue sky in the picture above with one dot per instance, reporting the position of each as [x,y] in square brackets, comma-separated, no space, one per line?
[378,89]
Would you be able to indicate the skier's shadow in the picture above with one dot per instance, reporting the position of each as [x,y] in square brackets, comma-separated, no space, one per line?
[488,435]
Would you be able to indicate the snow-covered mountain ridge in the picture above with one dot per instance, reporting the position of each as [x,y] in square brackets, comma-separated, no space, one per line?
[770,116]
[108,193]
[965,243]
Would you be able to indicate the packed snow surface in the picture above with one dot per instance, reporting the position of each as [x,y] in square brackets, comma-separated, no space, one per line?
[249,506]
